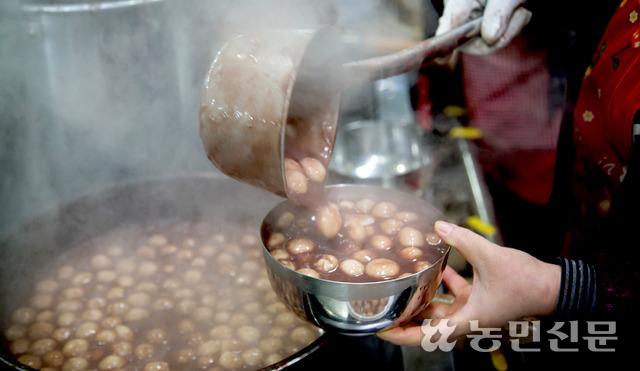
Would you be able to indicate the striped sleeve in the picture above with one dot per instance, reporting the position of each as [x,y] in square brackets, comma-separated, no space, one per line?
[577,296]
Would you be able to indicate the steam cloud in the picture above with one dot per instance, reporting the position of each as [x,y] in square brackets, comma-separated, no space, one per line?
[92,97]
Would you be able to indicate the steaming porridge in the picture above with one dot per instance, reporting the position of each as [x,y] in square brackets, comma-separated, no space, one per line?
[359,240]
[169,297]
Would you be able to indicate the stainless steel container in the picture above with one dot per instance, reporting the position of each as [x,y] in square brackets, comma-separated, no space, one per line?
[107,91]
[387,153]
[338,307]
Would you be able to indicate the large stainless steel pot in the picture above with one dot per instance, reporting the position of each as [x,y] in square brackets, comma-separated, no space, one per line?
[142,202]
[176,198]
[86,81]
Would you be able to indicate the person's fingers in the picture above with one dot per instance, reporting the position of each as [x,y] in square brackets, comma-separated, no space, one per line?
[411,335]
[455,13]
[444,304]
[454,282]
[435,310]
[519,20]
[496,18]
[502,21]
[456,314]
[461,320]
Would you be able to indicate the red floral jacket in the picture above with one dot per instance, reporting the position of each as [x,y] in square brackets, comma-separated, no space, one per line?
[605,185]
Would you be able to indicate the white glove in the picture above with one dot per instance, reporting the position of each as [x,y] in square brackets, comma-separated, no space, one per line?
[502,21]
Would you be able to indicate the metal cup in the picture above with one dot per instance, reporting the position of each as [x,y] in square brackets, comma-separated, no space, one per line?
[358,308]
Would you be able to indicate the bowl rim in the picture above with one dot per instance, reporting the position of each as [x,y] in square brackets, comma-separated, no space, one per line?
[398,280]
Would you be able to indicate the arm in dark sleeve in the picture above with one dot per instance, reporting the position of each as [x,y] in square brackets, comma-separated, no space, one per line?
[578,289]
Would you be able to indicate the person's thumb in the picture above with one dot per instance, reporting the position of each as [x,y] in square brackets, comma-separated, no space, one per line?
[470,245]
[496,19]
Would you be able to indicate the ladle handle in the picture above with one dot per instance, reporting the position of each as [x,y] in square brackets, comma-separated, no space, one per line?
[376,68]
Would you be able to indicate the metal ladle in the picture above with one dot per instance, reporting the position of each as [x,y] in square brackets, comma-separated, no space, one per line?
[276,93]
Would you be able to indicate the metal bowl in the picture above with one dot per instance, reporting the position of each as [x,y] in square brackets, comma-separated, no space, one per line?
[385,153]
[337,306]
